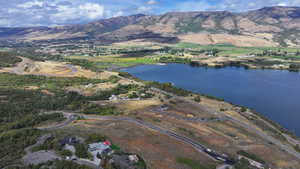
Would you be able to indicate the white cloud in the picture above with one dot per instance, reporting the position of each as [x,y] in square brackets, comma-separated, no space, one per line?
[12,10]
[252,4]
[31,4]
[282,4]
[152,2]
[88,11]
[119,13]
[60,12]
[144,9]
[91,10]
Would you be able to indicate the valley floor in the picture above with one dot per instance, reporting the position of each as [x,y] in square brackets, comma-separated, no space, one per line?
[155,121]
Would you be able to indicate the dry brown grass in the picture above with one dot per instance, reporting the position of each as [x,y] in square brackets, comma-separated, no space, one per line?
[278,158]
[249,26]
[50,68]
[152,146]
[228,23]
[237,40]
[130,106]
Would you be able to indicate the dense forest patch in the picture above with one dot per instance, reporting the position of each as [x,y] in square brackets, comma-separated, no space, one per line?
[7,59]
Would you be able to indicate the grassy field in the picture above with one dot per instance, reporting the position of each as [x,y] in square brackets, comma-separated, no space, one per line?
[133,55]
[193,164]
[103,62]
[230,50]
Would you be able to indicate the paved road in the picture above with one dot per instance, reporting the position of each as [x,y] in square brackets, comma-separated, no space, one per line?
[199,147]
[40,141]
[196,145]
[51,155]
[271,139]
[70,119]
[224,167]
[39,156]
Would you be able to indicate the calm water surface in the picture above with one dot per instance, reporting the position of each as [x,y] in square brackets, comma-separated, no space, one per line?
[273,93]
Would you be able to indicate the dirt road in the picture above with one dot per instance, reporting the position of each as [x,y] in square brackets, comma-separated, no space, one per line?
[28,66]
[33,158]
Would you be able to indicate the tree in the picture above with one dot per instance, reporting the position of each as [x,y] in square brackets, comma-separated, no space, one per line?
[81,151]
[197,99]
[66,153]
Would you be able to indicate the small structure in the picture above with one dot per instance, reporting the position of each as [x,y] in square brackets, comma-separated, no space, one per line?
[133,158]
[113,97]
[90,85]
[164,107]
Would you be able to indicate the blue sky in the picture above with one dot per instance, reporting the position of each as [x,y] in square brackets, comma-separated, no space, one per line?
[15,13]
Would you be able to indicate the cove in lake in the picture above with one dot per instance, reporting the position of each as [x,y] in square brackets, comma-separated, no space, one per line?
[273,93]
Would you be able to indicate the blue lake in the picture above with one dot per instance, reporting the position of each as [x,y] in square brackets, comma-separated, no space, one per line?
[273,93]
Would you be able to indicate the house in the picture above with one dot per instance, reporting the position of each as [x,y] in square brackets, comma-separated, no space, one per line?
[107,143]
[101,149]
[113,97]
[98,147]
[133,158]
[164,107]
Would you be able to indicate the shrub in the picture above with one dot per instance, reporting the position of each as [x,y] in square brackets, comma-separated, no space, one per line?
[81,151]
[243,109]
[92,138]
[251,156]
[66,153]
[197,99]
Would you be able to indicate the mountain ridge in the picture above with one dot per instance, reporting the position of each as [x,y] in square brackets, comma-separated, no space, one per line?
[268,26]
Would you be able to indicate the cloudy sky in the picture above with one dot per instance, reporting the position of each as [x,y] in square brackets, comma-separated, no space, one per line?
[17,13]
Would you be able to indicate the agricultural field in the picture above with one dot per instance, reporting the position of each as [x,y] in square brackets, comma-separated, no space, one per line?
[104,62]
[230,50]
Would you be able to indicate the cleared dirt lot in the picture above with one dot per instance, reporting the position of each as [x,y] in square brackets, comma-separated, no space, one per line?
[50,68]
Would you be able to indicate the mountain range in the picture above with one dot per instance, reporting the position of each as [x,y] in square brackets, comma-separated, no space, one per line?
[269,26]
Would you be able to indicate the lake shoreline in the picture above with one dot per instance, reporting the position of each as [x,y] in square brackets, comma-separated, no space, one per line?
[221,99]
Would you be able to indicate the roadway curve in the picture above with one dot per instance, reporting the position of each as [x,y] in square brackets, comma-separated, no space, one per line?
[199,147]
[271,139]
